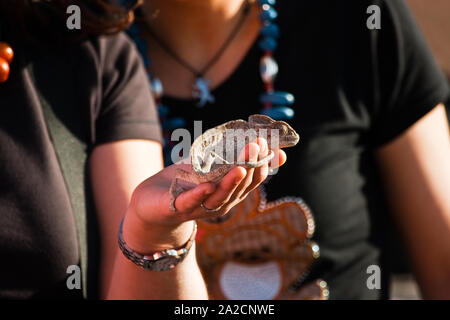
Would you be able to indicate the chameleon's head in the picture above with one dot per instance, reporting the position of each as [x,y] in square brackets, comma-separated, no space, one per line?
[287,136]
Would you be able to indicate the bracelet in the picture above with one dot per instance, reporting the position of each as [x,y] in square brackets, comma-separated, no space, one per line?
[160,260]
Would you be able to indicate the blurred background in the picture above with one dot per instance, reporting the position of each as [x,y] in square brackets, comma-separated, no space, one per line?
[433,18]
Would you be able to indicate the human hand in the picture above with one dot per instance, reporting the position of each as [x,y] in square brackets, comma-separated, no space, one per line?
[151,226]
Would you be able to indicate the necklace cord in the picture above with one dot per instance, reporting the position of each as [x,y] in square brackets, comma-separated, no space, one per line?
[228,40]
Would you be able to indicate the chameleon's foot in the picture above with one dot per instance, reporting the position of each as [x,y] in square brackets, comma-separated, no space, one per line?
[173,196]
[175,191]
[259,163]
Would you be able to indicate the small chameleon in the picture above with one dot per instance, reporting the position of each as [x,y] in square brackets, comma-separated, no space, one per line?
[214,153]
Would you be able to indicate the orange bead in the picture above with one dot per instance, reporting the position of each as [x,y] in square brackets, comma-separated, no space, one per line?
[4,70]
[6,52]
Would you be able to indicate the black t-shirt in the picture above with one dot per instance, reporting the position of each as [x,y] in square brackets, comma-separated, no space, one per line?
[355,90]
[98,91]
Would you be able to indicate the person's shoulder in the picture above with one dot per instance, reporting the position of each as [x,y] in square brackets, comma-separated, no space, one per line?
[109,48]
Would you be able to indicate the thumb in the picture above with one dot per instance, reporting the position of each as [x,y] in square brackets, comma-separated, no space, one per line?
[191,199]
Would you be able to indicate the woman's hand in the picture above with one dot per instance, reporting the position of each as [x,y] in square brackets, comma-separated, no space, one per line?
[150,225]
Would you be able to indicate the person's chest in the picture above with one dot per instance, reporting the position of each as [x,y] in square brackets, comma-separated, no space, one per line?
[330,76]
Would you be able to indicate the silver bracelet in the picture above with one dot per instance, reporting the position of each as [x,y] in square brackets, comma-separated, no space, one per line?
[160,260]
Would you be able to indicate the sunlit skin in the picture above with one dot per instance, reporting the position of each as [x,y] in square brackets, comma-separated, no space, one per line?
[415,167]
[117,168]
[205,25]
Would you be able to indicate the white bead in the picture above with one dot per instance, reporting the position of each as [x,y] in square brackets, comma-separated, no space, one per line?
[268,69]
[157,88]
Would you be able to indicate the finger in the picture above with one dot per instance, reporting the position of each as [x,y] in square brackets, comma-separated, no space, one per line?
[260,173]
[226,188]
[278,160]
[252,151]
[263,147]
[230,189]
[189,200]
[249,153]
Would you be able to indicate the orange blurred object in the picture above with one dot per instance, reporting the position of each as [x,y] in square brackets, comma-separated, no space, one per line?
[4,70]
[6,52]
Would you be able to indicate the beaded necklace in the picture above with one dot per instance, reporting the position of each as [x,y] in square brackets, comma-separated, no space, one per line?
[276,104]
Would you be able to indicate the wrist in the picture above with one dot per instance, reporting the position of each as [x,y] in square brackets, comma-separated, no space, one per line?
[145,237]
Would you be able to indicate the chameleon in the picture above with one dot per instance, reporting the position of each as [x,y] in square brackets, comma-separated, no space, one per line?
[214,153]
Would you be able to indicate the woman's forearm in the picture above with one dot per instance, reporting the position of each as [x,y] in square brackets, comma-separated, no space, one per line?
[130,281]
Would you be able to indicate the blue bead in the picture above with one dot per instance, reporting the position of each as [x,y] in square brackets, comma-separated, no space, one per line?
[277,98]
[163,111]
[174,123]
[279,113]
[268,14]
[269,2]
[268,44]
[270,30]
